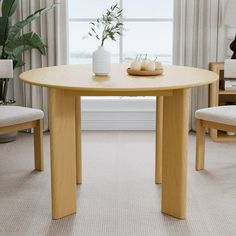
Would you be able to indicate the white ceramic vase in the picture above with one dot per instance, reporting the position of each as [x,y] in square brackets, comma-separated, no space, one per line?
[101,62]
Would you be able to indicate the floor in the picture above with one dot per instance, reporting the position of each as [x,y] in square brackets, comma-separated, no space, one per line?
[118,195]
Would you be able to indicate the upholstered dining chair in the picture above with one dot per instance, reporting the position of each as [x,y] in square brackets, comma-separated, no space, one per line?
[220,118]
[15,118]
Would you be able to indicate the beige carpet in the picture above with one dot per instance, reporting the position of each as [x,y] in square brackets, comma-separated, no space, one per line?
[118,195]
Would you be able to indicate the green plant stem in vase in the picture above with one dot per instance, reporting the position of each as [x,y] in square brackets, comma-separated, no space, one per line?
[106,27]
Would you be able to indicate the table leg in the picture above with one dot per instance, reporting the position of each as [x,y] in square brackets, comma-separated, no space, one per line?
[78,142]
[63,153]
[159,138]
[175,141]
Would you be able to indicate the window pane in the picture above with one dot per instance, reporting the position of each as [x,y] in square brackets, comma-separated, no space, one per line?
[88,8]
[153,38]
[81,48]
[148,9]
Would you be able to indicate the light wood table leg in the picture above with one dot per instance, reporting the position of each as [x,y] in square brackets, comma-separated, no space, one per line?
[159,139]
[200,145]
[78,142]
[38,146]
[63,153]
[175,141]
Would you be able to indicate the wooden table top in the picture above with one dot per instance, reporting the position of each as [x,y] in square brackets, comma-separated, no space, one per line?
[81,78]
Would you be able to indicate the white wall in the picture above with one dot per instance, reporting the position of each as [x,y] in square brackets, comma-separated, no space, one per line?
[118,113]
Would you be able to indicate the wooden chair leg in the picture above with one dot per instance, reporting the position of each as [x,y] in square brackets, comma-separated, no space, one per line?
[38,146]
[200,145]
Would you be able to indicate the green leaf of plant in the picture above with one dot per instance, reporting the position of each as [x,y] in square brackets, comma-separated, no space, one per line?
[93,30]
[9,7]
[18,63]
[15,29]
[3,29]
[109,24]
[25,42]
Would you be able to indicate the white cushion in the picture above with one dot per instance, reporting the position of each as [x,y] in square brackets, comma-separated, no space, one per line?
[221,114]
[12,115]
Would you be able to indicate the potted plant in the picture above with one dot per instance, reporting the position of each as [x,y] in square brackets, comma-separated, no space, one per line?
[106,27]
[13,43]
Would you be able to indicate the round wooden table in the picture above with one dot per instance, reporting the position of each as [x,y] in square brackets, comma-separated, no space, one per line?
[66,86]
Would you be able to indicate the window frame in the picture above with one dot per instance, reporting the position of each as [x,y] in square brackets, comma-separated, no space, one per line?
[121,37]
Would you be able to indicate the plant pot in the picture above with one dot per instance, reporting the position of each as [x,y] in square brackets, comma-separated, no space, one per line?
[101,62]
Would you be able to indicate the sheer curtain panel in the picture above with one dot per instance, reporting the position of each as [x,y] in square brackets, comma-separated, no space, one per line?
[197,41]
[52,27]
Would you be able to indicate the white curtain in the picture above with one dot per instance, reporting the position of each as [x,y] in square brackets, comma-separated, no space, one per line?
[52,27]
[198,40]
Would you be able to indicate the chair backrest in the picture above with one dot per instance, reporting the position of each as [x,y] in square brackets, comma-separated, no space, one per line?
[6,69]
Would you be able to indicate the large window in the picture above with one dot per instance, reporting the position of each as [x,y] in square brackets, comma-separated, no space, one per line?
[147,29]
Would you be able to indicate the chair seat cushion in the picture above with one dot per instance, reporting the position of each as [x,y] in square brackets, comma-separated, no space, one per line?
[12,115]
[221,114]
